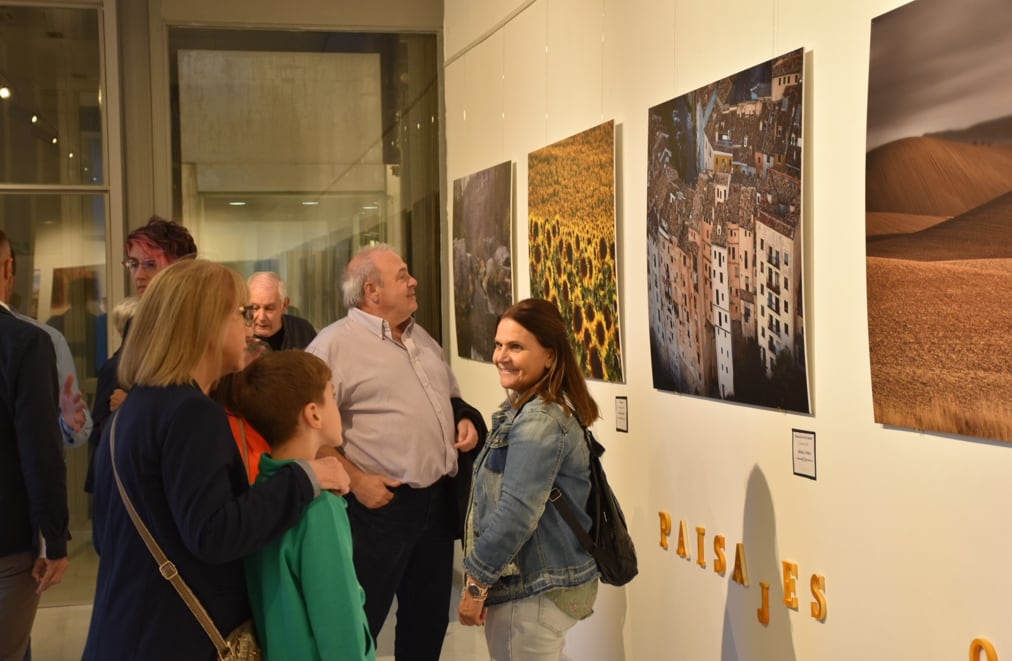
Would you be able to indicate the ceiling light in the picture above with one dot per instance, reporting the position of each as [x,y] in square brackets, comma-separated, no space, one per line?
[35,119]
[237,203]
[310,203]
[5,92]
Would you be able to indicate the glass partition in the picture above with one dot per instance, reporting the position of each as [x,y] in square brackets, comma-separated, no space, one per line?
[50,96]
[293,150]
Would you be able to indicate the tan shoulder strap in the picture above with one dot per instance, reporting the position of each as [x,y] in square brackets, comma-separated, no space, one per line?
[165,566]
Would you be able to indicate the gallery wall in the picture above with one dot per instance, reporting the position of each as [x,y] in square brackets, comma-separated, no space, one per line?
[908,529]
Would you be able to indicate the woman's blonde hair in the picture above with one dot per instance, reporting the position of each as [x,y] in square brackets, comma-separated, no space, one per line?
[184,313]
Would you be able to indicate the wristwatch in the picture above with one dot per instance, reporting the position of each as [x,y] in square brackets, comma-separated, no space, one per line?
[476,591]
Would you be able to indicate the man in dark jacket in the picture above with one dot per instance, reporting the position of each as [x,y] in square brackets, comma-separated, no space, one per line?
[271,323]
[33,477]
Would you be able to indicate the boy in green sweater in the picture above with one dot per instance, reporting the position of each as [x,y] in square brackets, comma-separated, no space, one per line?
[305,597]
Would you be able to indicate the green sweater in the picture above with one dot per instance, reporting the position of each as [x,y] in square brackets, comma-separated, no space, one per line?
[306,600]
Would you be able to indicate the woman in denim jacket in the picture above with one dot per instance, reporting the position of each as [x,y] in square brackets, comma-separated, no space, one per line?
[528,579]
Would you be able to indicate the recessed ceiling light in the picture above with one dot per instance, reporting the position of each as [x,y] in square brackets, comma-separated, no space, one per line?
[237,204]
[310,203]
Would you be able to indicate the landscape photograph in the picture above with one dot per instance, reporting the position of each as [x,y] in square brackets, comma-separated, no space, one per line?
[724,239]
[482,257]
[938,219]
[571,230]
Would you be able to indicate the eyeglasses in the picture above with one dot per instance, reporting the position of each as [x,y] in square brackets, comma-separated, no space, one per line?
[247,314]
[132,264]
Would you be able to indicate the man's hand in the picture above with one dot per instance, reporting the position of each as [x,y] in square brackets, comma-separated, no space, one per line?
[72,405]
[48,572]
[116,399]
[467,436]
[331,474]
[373,490]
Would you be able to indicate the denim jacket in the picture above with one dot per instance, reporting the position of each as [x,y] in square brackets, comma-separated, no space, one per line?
[515,542]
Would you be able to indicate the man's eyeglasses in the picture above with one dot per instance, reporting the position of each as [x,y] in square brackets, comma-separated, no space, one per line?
[131,264]
[247,314]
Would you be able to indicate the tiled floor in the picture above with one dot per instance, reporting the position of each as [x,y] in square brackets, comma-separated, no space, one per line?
[61,625]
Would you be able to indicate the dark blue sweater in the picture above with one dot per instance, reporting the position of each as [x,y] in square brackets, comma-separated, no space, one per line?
[180,466]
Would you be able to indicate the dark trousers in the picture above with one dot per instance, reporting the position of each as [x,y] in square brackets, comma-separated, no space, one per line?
[406,549]
[18,604]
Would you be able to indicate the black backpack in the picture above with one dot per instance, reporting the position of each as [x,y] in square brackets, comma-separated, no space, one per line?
[608,539]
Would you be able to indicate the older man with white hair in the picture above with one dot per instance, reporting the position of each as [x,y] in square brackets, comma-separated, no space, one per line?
[271,323]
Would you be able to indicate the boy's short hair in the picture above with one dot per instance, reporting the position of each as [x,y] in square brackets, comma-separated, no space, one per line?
[272,391]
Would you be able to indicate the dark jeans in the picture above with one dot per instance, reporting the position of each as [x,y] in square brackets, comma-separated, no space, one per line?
[406,549]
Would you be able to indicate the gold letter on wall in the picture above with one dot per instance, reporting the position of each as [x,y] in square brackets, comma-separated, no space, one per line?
[982,645]
[683,533]
[818,584]
[700,552]
[790,584]
[720,561]
[665,529]
[740,574]
[763,612]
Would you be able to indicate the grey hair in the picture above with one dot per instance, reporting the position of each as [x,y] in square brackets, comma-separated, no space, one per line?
[273,278]
[361,269]
[122,312]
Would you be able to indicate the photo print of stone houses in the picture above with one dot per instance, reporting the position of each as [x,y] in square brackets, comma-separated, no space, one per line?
[938,221]
[724,239]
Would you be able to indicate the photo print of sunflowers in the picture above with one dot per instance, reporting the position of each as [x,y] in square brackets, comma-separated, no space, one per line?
[938,221]
[482,257]
[724,239]
[571,229]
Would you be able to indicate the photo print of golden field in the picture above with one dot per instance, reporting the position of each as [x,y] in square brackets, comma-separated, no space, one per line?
[724,238]
[571,228]
[939,217]
[482,257]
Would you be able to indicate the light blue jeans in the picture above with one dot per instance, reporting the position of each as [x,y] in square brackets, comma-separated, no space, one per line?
[531,629]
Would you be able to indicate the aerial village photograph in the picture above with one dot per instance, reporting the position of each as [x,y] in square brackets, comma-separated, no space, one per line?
[724,239]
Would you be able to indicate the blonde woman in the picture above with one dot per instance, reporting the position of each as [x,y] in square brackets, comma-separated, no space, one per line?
[180,468]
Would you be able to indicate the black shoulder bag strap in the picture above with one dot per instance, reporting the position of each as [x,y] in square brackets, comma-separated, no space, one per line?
[561,503]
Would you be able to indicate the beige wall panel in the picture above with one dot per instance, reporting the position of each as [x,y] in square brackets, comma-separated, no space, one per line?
[466,21]
[710,44]
[526,105]
[485,108]
[575,65]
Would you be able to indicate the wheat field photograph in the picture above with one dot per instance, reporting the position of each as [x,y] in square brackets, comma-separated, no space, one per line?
[939,218]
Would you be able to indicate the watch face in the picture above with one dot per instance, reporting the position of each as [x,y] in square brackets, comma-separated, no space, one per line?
[474,590]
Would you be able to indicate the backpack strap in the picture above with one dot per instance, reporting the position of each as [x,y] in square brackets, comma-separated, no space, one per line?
[561,502]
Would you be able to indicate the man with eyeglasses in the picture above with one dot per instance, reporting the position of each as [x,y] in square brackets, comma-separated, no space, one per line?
[272,324]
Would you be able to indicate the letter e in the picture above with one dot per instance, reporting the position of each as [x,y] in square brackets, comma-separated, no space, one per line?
[790,584]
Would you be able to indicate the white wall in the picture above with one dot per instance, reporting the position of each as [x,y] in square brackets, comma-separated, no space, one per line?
[908,529]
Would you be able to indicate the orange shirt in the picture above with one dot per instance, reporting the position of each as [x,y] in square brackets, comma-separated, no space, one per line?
[250,443]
